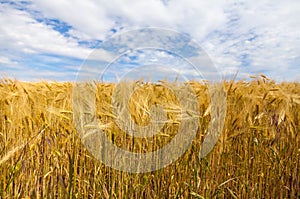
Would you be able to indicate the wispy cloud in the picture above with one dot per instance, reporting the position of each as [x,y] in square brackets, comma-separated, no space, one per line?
[50,39]
[259,37]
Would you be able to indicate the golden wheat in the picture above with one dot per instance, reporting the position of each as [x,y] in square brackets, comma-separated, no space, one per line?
[257,155]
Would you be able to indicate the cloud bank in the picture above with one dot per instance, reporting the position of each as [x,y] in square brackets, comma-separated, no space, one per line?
[50,39]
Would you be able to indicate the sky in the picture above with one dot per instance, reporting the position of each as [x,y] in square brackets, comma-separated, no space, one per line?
[51,40]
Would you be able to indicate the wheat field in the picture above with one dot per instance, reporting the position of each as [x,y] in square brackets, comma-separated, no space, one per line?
[256,156]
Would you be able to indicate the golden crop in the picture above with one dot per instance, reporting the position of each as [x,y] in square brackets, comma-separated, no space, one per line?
[257,155]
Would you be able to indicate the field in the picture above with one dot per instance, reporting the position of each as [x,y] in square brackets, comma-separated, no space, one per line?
[256,156]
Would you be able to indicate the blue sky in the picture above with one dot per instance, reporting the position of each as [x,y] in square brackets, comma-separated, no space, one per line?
[50,40]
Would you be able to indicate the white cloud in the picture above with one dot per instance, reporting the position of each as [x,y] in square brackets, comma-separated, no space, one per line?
[249,36]
[7,61]
[267,32]
[19,32]
[96,17]
[88,17]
